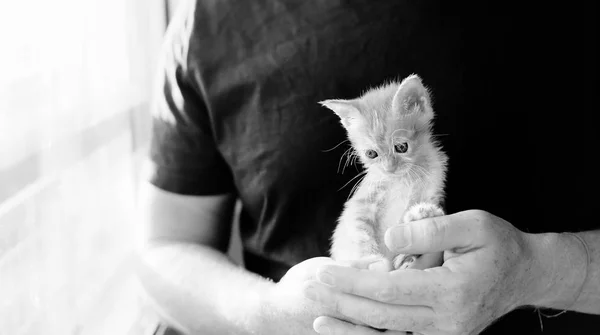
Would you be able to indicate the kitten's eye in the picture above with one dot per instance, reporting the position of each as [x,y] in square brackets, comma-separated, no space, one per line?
[401,147]
[371,154]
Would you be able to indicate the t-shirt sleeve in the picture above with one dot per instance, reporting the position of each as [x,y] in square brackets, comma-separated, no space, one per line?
[184,158]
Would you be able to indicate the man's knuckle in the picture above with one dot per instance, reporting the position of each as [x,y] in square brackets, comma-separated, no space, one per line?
[337,306]
[349,287]
[433,230]
[481,218]
[387,294]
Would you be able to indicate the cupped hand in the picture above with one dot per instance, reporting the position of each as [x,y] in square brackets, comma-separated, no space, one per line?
[286,310]
[488,270]
[289,311]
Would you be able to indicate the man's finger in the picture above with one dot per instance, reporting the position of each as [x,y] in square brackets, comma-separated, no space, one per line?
[460,230]
[405,287]
[363,263]
[372,313]
[332,326]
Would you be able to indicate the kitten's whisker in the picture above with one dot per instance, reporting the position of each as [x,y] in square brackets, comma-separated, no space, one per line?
[354,155]
[421,178]
[354,160]
[425,173]
[328,150]
[355,187]
[349,181]
[419,173]
[340,162]
[413,176]
[345,154]
[420,170]
[348,158]
[410,173]
[351,157]
[425,176]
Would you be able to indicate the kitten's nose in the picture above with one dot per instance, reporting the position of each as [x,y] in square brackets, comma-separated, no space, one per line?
[390,166]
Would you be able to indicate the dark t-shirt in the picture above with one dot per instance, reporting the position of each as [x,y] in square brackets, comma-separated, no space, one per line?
[514,94]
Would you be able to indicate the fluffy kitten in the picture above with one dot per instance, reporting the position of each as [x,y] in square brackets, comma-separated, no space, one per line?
[389,128]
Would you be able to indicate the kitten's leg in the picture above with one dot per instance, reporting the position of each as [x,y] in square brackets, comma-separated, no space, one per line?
[354,239]
[416,212]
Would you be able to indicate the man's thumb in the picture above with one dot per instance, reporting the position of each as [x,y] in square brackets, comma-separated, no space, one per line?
[430,235]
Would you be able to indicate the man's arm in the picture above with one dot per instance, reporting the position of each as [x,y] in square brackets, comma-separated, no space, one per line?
[183,267]
[185,272]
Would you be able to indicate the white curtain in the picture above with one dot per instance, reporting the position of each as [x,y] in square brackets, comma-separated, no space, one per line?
[67,225]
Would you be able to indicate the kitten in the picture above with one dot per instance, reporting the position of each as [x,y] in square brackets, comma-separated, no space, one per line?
[389,128]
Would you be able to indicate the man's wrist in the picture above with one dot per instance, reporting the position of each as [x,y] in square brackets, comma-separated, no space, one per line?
[282,312]
[271,317]
[559,270]
[254,311]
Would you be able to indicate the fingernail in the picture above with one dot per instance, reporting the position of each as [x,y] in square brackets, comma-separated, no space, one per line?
[323,330]
[399,237]
[326,278]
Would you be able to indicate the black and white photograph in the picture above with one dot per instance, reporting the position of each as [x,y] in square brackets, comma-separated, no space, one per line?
[297,167]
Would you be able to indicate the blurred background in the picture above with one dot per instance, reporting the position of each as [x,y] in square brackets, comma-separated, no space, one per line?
[75,88]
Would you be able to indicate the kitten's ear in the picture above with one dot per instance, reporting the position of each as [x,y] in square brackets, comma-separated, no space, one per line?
[345,109]
[412,97]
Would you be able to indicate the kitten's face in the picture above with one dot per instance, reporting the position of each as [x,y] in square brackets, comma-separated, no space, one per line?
[390,151]
[389,126]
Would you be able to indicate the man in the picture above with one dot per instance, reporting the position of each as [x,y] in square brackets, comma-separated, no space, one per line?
[237,118]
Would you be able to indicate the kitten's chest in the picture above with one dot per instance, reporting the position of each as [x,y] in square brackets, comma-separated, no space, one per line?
[398,198]
[387,202]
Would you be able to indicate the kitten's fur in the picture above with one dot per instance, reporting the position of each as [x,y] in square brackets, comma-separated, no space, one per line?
[397,187]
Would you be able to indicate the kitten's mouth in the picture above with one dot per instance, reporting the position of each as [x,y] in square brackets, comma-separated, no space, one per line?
[398,173]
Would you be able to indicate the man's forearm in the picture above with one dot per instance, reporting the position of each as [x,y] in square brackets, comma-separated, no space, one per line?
[200,290]
[569,282]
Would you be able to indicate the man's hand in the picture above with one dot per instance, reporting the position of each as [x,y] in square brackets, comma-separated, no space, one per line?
[286,305]
[488,270]
[286,302]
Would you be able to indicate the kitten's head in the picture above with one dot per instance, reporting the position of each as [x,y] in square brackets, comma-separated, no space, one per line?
[389,126]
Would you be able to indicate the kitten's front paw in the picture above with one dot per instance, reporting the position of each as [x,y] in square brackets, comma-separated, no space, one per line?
[419,262]
[404,261]
[382,264]
[421,211]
